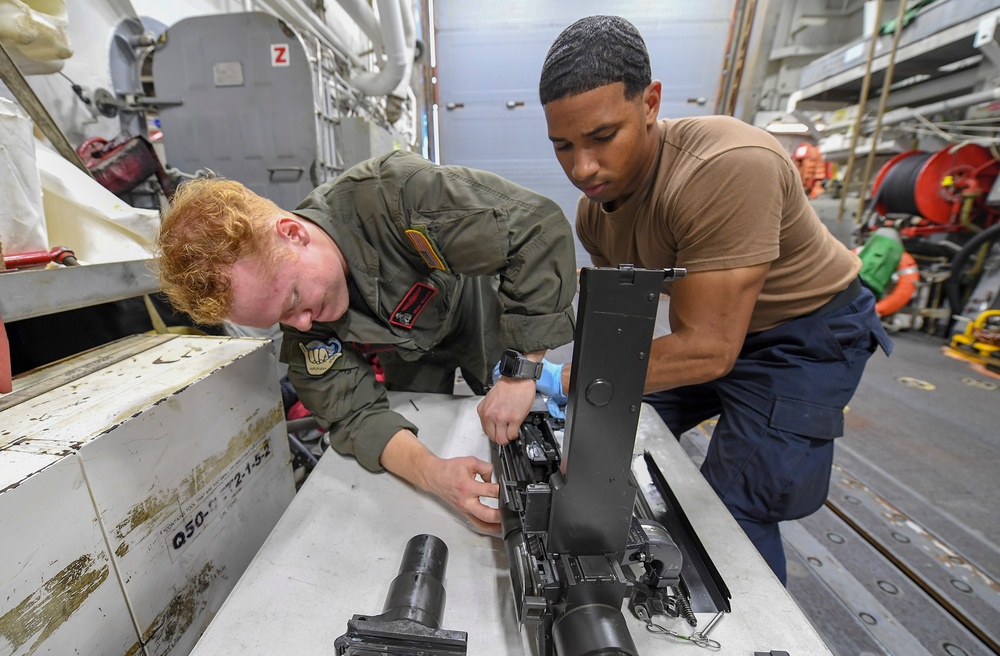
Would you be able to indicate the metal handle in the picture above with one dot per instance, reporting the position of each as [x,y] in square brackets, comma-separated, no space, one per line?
[148,101]
[451,106]
[511,104]
[297,170]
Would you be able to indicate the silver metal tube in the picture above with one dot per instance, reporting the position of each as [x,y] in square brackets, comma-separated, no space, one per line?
[903,114]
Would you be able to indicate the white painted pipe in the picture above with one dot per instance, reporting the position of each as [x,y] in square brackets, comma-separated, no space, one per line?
[394,67]
[410,38]
[362,14]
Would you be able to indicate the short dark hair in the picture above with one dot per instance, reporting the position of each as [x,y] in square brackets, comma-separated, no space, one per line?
[593,52]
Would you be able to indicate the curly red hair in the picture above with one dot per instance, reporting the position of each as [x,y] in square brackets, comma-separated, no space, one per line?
[212,224]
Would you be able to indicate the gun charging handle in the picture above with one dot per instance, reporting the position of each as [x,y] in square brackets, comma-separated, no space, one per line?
[414,606]
[674,273]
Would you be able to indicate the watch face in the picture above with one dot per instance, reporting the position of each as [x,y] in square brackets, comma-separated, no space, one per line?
[515,365]
[508,364]
[512,364]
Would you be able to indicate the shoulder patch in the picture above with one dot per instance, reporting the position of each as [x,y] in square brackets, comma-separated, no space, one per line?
[425,247]
[320,356]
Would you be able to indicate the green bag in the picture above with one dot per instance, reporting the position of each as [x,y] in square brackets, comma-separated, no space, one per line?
[880,258]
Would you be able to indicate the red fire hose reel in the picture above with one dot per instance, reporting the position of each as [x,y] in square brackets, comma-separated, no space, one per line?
[946,189]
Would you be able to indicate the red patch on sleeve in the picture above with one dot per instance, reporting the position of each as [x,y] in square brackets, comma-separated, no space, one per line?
[406,313]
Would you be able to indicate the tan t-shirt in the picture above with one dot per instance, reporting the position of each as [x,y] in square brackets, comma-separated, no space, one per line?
[722,195]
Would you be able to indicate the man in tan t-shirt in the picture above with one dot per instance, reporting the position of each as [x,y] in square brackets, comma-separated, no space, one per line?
[770,329]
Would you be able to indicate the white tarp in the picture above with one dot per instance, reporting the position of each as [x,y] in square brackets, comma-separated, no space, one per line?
[88,219]
[22,219]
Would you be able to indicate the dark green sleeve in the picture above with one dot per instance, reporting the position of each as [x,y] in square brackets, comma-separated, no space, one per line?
[482,224]
[345,397]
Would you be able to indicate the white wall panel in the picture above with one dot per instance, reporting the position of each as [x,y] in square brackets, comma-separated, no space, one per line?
[490,53]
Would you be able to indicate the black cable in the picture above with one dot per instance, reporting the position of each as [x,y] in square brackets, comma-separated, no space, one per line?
[952,286]
[77,89]
[897,193]
[918,247]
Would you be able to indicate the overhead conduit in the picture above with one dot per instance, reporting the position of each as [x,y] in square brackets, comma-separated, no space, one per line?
[361,13]
[394,67]
[410,37]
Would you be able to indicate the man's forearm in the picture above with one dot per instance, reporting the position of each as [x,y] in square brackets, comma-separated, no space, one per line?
[673,365]
[676,361]
[406,457]
[461,482]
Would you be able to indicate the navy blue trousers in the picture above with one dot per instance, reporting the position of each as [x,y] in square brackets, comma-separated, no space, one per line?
[780,407]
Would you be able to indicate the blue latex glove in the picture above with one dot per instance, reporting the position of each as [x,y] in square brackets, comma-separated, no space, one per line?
[550,384]
[556,410]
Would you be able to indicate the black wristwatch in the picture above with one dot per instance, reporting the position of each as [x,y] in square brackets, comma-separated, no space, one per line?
[515,365]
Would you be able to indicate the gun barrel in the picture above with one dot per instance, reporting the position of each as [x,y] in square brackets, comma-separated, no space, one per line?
[592,629]
[417,593]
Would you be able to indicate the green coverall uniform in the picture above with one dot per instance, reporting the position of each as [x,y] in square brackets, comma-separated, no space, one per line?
[447,267]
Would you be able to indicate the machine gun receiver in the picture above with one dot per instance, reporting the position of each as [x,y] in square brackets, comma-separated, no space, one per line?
[572,540]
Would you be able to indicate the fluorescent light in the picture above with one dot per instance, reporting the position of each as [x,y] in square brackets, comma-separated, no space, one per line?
[787,128]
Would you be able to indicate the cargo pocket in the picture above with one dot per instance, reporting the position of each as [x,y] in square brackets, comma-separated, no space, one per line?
[807,431]
[807,419]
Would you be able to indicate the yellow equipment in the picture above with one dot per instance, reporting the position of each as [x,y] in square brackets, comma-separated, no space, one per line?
[981,338]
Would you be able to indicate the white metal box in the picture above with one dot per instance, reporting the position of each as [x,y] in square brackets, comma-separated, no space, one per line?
[59,588]
[137,482]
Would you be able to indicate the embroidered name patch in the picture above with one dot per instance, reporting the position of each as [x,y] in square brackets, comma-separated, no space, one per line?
[412,305]
[321,356]
[425,247]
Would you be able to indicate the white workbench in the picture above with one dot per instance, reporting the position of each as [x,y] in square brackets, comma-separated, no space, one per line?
[339,545]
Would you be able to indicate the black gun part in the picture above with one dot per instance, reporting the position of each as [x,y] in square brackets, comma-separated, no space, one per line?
[414,607]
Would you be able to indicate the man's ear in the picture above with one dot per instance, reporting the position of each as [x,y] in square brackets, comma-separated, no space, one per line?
[651,101]
[292,230]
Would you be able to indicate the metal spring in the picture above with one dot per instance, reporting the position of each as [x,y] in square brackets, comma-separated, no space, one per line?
[684,608]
